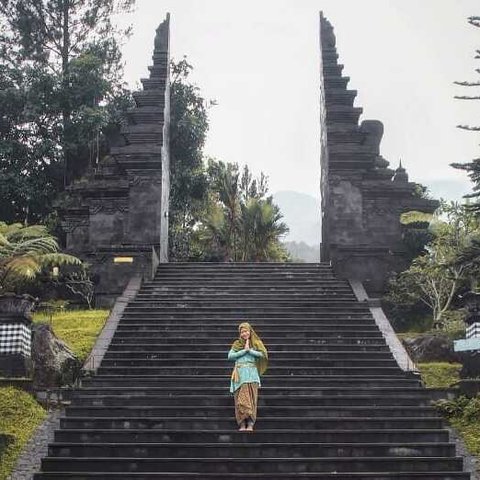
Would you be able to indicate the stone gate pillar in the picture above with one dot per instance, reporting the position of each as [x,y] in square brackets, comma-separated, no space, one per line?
[362,198]
[117,217]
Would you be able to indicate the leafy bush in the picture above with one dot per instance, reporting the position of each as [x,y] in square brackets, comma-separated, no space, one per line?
[464,415]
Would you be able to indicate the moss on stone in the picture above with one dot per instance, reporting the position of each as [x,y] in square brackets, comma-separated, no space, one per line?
[439,374]
[20,415]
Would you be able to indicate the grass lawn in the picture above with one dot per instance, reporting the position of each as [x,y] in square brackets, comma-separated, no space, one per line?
[77,328]
[20,415]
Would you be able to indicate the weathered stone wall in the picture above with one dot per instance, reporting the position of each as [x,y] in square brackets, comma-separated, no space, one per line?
[117,216]
[362,198]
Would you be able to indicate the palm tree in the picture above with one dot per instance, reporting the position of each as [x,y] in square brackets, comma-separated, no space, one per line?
[25,251]
[229,195]
[261,228]
[213,233]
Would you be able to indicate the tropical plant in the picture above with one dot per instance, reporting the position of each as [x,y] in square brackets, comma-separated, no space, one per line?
[212,235]
[25,251]
[241,223]
[261,229]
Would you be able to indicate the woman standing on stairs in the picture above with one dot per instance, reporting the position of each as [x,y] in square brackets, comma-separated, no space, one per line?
[251,358]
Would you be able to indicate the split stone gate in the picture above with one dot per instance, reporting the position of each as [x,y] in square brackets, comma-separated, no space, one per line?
[117,218]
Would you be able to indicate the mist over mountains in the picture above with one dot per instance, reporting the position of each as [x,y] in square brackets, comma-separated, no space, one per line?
[301,212]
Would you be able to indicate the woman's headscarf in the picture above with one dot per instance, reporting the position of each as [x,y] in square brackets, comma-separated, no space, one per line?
[255,343]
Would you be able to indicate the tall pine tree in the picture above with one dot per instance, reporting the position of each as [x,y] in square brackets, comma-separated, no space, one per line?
[62,89]
[472,167]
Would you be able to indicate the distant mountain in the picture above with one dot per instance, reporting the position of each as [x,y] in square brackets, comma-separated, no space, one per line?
[301,252]
[301,212]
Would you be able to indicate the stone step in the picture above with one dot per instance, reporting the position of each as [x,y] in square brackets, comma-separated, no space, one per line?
[207,343]
[227,370]
[278,355]
[274,381]
[191,361]
[263,422]
[252,273]
[343,114]
[249,450]
[205,336]
[313,268]
[211,327]
[242,267]
[340,96]
[246,292]
[260,324]
[249,313]
[253,476]
[310,411]
[334,345]
[334,81]
[317,392]
[141,138]
[267,279]
[253,316]
[154,83]
[225,436]
[332,69]
[149,98]
[253,465]
[234,295]
[218,301]
[132,399]
[267,331]
[145,115]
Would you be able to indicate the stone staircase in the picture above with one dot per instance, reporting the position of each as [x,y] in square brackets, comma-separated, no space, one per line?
[333,405]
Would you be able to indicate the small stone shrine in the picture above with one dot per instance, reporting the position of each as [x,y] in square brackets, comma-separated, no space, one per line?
[16,335]
[117,216]
[362,198]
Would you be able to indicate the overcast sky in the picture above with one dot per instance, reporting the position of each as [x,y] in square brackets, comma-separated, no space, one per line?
[259,60]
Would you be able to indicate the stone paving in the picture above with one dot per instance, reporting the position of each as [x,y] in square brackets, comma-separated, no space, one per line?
[37,447]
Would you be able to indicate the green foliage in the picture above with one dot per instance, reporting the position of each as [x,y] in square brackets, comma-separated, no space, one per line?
[463,414]
[436,277]
[188,179]
[260,230]
[439,374]
[25,251]
[61,91]
[415,232]
[20,415]
[77,328]
[242,223]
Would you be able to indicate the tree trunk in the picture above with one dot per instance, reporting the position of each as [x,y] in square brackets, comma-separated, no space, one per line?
[66,112]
